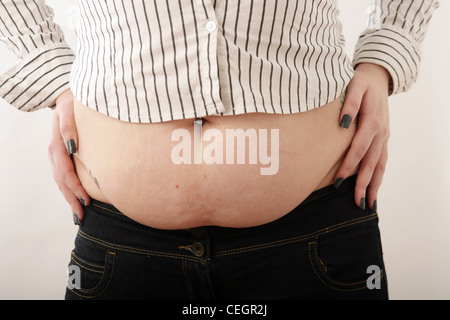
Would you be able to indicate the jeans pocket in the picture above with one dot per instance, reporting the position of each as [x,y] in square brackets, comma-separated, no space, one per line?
[345,259]
[89,279]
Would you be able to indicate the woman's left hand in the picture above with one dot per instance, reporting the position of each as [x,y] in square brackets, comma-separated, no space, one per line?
[367,97]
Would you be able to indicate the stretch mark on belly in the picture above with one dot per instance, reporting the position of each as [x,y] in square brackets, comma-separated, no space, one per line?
[95,179]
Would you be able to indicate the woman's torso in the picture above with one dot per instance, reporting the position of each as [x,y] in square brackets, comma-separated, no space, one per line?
[260,65]
[134,166]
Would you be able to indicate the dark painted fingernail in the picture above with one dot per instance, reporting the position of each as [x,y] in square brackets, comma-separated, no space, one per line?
[83,202]
[374,206]
[363,203]
[71,147]
[76,220]
[338,182]
[346,121]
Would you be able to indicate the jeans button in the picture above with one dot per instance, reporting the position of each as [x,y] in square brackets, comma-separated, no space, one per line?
[197,249]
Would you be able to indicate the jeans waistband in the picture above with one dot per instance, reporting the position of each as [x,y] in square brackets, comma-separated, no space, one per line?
[325,210]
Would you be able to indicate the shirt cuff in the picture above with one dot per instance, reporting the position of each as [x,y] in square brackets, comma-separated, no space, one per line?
[393,49]
[39,78]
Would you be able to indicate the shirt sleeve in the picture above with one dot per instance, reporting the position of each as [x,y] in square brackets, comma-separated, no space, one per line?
[45,59]
[393,39]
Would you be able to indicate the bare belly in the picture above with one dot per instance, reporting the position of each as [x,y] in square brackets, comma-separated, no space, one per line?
[139,168]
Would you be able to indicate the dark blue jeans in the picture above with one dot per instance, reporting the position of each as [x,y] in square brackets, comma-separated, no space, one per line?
[327,248]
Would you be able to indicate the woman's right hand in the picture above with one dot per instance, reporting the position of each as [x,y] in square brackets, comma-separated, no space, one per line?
[63,144]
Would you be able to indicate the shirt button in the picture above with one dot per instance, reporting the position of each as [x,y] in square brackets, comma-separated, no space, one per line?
[211,26]
[197,249]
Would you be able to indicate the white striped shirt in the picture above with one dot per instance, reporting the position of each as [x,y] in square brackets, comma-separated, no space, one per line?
[161,60]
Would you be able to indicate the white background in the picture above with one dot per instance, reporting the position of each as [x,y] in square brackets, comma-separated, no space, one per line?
[37,232]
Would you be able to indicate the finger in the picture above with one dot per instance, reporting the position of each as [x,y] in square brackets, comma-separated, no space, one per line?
[377,178]
[69,196]
[366,171]
[352,103]
[64,165]
[67,127]
[358,149]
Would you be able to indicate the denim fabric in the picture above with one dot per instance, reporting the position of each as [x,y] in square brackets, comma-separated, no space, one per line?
[321,250]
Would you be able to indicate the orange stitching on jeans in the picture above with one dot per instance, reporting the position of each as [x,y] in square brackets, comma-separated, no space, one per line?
[107,285]
[77,263]
[109,210]
[188,281]
[315,198]
[80,262]
[298,238]
[316,251]
[320,277]
[136,250]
